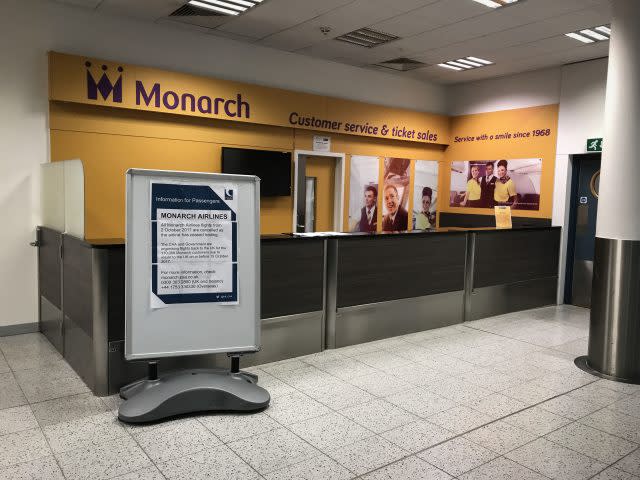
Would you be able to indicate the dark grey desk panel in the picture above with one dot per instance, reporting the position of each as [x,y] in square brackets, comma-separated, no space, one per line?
[511,256]
[292,277]
[378,269]
[49,265]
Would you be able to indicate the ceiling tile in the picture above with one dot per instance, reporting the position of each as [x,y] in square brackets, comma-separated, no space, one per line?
[144,9]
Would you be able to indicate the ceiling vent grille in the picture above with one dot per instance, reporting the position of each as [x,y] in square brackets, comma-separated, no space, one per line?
[208,8]
[367,37]
[402,64]
[189,11]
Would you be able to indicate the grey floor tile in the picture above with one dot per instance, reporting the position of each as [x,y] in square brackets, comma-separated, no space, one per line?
[628,406]
[457,456]
[323,358]
[102,461]
[146,473]
[411,467]
[497,405]
[537,420]
[167,442]
[347,369]
[459,390]
[112,402]
[381,384]
[594,443]
[28,360]
[366,455]
[460,419]
[418,375]
[84,432]
[65,409]
[22,446]
[16,419]
[26,345]
[10,393]
[501,469]
[597,394]
[628,388]
[569,407]
[232,427]
[565,381]
[330,431]
[55,381]
[45,468]
[612,473]
[360,349]
[615,423]
[630,463]
[379,415]
[295,407]
[383,360]
[283,366]
[339,395]
[421,402]
[555,461]
[4,366]
[316,468]
[273,450]
[500,437]
[216,463]
[416,436]
[529,393]
[276,387]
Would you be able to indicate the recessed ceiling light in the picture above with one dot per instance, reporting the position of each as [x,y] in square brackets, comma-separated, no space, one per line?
[591,35]
[466,63]
[444,65]
[225,7]
[367,37]
[495,3]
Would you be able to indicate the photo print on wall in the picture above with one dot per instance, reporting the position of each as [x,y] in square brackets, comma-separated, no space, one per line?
[425,194]
[395,195]
[363,194]
[491,183]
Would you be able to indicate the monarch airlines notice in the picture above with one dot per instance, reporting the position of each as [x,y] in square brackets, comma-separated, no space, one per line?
[194,244]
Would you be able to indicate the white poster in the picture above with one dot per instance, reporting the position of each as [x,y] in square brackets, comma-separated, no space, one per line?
[194,240]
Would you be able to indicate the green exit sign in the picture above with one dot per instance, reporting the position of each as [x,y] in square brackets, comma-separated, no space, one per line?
[594,145]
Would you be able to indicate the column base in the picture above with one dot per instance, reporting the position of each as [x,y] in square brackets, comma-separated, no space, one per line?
[583,364]
[614,333]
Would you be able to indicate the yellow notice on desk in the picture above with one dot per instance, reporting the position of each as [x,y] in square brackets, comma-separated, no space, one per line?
[503,217]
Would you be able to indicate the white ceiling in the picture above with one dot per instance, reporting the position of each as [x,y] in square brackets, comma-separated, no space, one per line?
[528,35]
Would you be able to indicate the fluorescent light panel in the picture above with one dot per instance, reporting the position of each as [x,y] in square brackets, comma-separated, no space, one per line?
[466,63]
[591,35]
[225,7]
[496,3]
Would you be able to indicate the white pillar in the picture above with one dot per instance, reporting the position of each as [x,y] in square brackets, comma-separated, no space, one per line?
[619,202]
[614,334]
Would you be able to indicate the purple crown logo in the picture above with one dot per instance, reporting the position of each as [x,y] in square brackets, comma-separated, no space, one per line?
[104,86]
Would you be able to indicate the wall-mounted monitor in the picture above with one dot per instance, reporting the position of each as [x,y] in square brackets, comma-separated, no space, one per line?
[273,168]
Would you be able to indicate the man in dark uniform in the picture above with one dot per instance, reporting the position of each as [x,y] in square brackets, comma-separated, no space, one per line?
[369,213]
[397,218]
[488,187]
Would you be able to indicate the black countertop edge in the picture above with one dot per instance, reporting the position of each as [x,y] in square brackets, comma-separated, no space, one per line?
[114,242]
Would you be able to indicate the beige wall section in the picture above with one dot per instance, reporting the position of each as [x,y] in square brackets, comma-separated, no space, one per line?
[109,141]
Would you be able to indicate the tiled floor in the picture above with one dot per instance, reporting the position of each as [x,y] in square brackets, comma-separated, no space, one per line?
[493,399]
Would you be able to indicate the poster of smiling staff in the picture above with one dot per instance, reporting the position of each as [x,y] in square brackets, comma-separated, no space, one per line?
[490,183]
[425,193]
[395,194]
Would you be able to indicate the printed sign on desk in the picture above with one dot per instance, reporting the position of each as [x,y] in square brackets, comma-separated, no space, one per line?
[194,244]
[503,217]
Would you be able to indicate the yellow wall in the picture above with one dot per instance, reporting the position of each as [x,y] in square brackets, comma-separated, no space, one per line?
[109,141]
[495,123]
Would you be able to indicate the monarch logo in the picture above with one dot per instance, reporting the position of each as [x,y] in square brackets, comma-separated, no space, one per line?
[228,194]
[104,86]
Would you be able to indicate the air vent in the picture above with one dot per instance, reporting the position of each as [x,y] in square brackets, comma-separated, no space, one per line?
[189,11]
[402,64]
[367,37]
[208,8]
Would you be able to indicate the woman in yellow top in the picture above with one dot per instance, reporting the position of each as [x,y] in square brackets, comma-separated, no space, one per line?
[472,195]
[505,193]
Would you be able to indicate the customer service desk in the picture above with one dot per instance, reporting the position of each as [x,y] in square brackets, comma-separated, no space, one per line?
[317,293]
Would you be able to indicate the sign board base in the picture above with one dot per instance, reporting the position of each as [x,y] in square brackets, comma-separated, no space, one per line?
[191,391]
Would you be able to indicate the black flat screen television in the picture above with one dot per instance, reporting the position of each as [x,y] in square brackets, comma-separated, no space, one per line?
[273,168]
